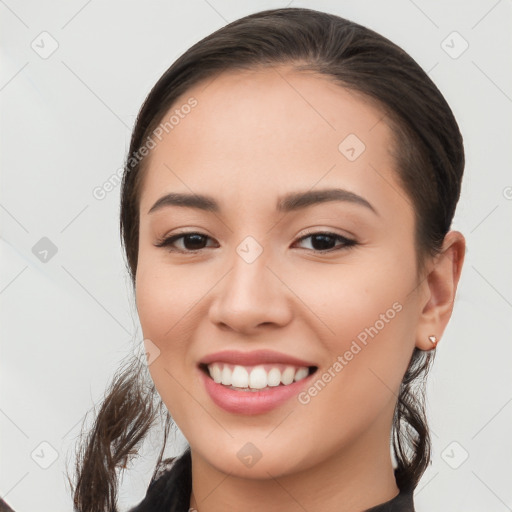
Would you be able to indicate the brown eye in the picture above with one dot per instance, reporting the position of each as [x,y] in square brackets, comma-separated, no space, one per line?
[324,242]
[189,242]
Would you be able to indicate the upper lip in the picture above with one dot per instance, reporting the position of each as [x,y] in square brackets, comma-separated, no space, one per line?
[253,358]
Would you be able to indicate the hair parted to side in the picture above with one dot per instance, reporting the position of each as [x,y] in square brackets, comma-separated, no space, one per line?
[429,158]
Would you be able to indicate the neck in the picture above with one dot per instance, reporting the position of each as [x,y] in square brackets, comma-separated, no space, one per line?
[354,478]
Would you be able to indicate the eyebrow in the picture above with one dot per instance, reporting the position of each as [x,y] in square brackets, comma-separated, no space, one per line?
[290,202]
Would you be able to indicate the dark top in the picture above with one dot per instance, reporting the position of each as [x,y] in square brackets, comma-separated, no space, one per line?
[4,507]
[170,490]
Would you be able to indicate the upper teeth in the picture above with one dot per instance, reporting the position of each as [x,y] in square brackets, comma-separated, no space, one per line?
[256,377]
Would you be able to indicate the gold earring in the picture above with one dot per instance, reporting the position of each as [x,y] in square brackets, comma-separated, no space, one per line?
[433,339]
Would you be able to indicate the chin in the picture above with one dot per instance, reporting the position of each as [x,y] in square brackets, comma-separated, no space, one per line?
[258,460]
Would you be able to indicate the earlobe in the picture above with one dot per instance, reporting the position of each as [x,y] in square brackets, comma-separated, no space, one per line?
[433,339]
[441,281]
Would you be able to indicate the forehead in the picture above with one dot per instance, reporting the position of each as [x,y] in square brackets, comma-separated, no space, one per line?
[260,133]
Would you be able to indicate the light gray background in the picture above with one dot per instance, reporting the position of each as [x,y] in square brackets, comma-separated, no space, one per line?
[67,322]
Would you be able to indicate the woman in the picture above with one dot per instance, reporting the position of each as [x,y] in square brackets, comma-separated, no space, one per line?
[286,210]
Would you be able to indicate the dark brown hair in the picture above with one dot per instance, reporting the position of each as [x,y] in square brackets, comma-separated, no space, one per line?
[429,156]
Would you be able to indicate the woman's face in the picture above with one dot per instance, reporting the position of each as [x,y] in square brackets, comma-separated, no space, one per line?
[258,292]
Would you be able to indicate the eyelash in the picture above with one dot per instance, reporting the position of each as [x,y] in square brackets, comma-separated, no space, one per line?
[167,242]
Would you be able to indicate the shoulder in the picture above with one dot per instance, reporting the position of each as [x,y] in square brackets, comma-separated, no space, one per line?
[402,502]
[170,487]
[4,507]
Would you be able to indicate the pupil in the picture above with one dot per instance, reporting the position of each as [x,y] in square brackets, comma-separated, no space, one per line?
[325,242]
[195,240]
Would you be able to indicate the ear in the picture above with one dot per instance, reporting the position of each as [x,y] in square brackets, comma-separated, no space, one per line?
[440,288]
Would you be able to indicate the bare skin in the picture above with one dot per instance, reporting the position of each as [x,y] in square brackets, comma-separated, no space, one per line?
[252,138]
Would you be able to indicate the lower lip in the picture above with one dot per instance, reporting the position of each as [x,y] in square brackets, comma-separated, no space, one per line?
[251,402]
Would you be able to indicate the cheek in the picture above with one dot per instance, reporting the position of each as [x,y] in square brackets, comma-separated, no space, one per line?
[350,299]
[164,315]
[360,381]
[166,297]
[368,323]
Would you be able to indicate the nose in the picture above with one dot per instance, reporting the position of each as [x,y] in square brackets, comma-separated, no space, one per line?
[251,297]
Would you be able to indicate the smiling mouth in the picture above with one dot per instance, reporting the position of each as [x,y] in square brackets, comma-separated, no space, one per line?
[256,378]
